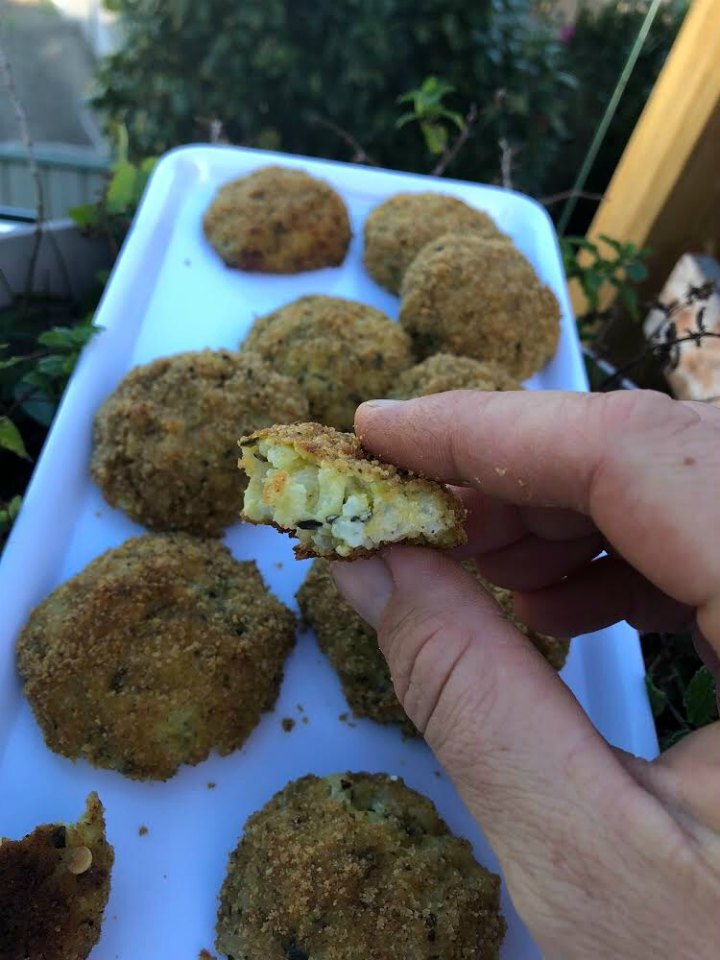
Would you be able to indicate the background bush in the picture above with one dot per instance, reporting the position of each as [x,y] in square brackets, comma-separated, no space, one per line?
[266,68]
[269,68]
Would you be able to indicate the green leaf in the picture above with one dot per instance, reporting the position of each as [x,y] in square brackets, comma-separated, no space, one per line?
[435,137]
[657,697]
[675,737]
[636,272]
[84,216]
[13,507]
[121,191]
[10,438]
[700,702]
[10,362]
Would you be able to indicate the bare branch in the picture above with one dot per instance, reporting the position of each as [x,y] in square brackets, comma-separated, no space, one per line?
[566,194]
[507,156]
[9,82]
[360,155]
[215,129]
[458,143]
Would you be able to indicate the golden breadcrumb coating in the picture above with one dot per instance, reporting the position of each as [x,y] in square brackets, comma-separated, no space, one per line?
[54,885]
[158,652]
[480,298]
[339,351]
[278,220]
[320,486]
[443,371]
[352,648]
[356,866]
[397,229]
[164,442]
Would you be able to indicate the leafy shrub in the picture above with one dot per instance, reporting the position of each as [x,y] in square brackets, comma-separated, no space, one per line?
[597,48]
[269,69]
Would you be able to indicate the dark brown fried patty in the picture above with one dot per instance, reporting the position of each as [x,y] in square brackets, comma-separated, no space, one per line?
[397,230]
[278,220]
[164,442]
[356,867]
[352,648]
[155,654]
[474,297]
[54,885]
[340,353]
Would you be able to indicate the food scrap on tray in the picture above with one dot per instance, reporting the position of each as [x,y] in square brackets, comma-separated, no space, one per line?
[54,886]
[321,486]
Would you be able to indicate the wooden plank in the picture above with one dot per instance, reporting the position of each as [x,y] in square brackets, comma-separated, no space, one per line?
[664,192]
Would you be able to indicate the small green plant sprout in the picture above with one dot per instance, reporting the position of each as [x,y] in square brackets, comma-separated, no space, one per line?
[595,267]
[431,114]
[112,214]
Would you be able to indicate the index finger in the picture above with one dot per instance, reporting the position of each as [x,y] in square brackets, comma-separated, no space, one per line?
[637,462]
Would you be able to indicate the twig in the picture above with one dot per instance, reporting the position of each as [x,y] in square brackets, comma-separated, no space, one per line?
[655,349]
[360,155]
[215,129]
[9,82]
[458,143]
[507,155]
[566,194]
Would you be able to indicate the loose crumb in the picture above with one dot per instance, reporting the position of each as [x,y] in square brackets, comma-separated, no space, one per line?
[278,564]
[305,720]
[438,774]
[343,718]
[143,831]
[211,785]
[287,723]
[300,708]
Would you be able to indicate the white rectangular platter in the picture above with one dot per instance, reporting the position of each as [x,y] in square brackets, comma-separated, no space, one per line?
[169,292]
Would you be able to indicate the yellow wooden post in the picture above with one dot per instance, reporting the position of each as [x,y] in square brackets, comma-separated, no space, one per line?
[665,192]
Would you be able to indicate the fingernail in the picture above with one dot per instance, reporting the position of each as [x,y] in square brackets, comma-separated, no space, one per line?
[367,585]
[375,404]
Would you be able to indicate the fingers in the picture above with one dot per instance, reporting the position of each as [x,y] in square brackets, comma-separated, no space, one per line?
[640,465]
[532,563]
[510,734]
[601,593]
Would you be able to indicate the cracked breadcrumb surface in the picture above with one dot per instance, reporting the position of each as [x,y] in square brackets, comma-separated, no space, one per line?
[480,298]
[444,371]
[320,485]
[54,885]
[356,866]
[278,220]
[164,442]
[158,652]
[339,351]
[352,648]
[397,229]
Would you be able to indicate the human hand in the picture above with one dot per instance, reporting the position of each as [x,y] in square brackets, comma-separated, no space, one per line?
[604,855]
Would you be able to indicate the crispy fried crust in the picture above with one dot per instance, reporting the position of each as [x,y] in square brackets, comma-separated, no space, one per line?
[278,220]
[340,353]
[352,647]
[479,298]
[344,454]
[397,229]
[54,885]
[443,371]
[158,652]
[164,442]
[356,867]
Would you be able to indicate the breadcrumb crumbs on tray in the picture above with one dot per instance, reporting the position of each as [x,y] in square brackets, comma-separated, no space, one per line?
[143,831]
[211,785]
[288,724]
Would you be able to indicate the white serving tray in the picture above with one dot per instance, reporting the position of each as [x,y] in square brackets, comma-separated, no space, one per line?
[170,292]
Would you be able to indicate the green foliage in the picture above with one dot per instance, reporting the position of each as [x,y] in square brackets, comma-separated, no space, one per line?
[596,51]
[431,114]
[681,690]
[270,68]
[11,439]
[595,267]
[112,215]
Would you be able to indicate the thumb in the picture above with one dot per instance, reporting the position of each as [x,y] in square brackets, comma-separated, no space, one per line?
[518,746]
